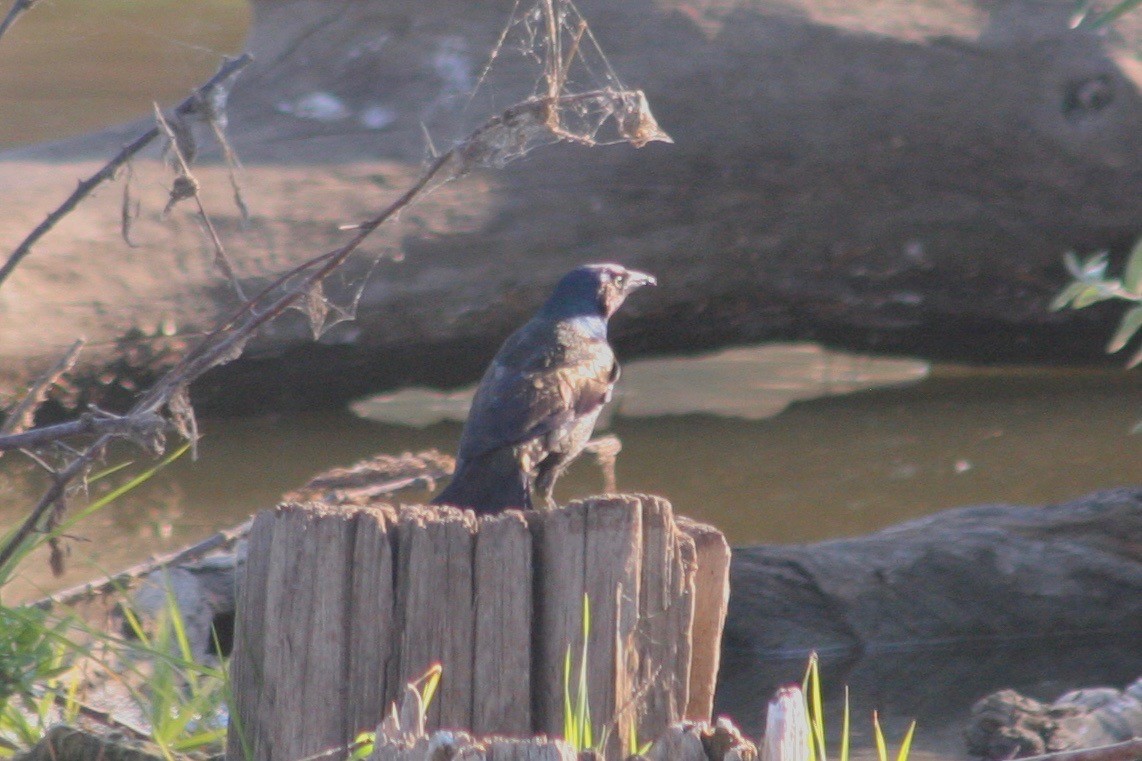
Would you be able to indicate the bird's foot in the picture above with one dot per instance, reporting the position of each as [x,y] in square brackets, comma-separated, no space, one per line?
[606,450]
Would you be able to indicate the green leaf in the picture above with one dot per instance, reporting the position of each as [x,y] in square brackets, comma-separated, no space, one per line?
[1131,322]
[1091,294]
[1073,265]
[1094,268]
[1132,277]
[1067,295]
[362,746]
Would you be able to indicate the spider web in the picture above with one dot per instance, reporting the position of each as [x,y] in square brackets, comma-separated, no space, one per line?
[576,97]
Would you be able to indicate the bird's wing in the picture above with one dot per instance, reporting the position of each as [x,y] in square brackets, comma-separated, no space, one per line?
[525,396]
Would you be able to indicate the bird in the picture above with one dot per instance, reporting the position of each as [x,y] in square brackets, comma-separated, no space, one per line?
[536,405]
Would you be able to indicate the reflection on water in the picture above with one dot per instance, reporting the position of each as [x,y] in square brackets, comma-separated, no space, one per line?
[747,383]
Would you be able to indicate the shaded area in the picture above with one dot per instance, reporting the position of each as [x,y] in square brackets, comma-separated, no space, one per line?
[923,618]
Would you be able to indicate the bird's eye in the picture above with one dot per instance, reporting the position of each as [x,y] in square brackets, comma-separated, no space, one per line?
[619,279]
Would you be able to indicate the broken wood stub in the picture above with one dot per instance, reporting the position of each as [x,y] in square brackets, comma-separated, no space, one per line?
[339,608]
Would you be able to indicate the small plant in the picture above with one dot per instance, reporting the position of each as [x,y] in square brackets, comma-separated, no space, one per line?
[1091,285]
[811,688]
[38,647]
[32,660]
[424,689]
[576,709]
[185,701]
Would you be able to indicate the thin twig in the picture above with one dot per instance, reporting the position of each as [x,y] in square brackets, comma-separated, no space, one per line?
[220,540]
[17,10]
[20,417]
[127,426]
[54,493]
[220,259]
[228,69]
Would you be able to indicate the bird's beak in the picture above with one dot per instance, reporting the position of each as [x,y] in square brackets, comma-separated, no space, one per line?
[636,279]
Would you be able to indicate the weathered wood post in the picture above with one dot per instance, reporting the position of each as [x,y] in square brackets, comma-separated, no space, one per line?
[339,608]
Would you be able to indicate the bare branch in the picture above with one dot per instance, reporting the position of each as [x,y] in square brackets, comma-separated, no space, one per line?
[498,141]
[190,190]
[17,10]
[228,70]
[138,428]
[20,417]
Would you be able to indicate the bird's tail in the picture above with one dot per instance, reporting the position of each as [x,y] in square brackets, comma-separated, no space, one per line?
[488,484]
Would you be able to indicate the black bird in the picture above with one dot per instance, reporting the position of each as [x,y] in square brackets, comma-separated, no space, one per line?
[537,404]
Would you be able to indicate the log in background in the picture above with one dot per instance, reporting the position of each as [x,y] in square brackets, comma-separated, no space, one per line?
[893,175]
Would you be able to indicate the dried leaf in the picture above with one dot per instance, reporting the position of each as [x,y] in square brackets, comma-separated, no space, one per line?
[129,210]
[182,416]
[56,557]
[232,353]
[181,141]
[184,187]
[637,124]
[57,551]
[316,308]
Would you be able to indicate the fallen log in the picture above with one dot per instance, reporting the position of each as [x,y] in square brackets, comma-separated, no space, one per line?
[339,608]
[885,176]
[959,603]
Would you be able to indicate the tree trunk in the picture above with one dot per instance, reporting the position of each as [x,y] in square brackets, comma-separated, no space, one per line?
[340,608]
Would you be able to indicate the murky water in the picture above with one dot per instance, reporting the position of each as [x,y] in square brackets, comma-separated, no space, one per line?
[71,66]
[774,444]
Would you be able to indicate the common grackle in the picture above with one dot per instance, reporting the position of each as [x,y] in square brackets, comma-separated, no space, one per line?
[537,404]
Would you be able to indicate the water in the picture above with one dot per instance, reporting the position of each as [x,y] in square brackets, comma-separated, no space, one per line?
[846,449]
[70,66]
[773,444]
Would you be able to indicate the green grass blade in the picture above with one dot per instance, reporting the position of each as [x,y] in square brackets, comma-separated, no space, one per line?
[122,489]
[881,747]
[906,745]
[845,728]
[198,740]
[178,625]
[1129,324]
[431,680]
[570,732]
[584,709]
[818,719]
[100,475]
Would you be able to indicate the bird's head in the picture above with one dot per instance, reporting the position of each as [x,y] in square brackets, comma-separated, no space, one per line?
[595,290]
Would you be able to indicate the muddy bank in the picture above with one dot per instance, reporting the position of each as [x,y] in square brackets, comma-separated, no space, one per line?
[892,177]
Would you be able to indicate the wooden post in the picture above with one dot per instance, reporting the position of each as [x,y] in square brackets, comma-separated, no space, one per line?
[339,608]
